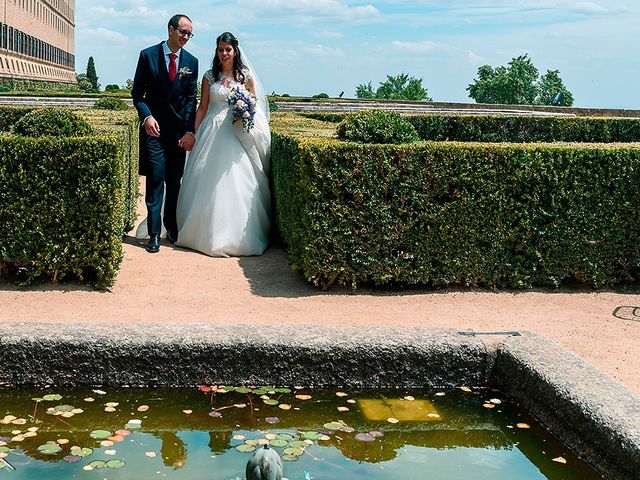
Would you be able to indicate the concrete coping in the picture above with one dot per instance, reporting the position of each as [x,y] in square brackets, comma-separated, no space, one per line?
[592,414]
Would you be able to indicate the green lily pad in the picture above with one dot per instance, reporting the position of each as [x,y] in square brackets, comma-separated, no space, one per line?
[245,448]
[299,444]
[278,443]
[285,436]
[252,441]
[242,389]
[311,435]
[52,397]
[4,449]
[271,401]
[100,434]
[63,408]
[49,448]
[37,399]
[290,458]
[293,451]
[282,390]
[115,463]
[81,452]
[98,464]
[260,391]
[333,425]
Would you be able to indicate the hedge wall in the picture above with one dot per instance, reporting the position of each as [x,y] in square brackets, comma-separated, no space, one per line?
[444,213]
[65,203]
[61,215]
[519,129]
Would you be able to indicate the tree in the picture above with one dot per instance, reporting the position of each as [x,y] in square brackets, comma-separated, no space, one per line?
[92,76]
[517,83]
[549,86]
[365,91]
[400,87]
[128,85]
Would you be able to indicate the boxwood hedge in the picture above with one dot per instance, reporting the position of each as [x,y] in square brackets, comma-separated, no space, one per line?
[65,202]
[511,128]
[450,213]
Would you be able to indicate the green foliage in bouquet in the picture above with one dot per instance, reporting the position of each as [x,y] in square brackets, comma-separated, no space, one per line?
[377,126]
[111,103]
[52,122]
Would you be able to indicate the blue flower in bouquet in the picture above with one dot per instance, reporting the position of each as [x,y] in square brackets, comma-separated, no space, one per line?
[243,105]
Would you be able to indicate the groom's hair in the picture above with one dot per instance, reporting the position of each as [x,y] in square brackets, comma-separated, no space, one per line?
[175,20]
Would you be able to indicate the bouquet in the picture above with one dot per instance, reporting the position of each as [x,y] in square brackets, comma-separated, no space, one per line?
[243,104]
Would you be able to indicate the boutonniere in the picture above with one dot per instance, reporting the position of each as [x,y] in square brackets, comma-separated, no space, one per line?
[183,72]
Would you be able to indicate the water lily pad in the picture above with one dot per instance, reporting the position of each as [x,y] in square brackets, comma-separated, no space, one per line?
[260,391]
[282,390]
[143,408]
[242,389]
[115,463]
[333,425]
[285,436]
[303,397]
[4,449]
[97,464]
[37,399]
[272,420]
[376,434]
[49,448]
[290,458]
[245,448]
[293,451]
[81,451]
[365,437]
[271,401]
[298,444]
[72,458]
[311,435]
[215,414]
[347,429]
[63,408]
[278,443]
[284,406]
[343,409]
[100,434]
[52,397]
[342,394]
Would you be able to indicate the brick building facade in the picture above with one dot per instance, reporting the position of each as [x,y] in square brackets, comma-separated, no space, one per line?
[37,40]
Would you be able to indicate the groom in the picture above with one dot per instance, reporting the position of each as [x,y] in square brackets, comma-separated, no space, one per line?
[165,88]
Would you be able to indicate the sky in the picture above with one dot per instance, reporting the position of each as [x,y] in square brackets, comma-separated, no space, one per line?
[305,47]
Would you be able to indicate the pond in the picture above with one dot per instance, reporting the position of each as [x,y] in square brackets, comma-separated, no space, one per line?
[211,432]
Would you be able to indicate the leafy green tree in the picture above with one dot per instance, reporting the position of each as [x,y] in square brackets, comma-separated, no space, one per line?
[365,90]
[399,87]
[517,83]
[92,76]
[549,86]
[128,85]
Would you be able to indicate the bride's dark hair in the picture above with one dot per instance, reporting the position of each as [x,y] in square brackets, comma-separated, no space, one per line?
[238,66]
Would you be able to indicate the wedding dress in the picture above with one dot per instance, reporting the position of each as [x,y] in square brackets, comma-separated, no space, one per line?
[224,203]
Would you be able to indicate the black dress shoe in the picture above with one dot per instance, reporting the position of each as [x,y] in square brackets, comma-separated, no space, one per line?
[172,237]
[154,244]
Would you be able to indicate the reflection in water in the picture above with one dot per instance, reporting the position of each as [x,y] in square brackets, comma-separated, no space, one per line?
[373,434]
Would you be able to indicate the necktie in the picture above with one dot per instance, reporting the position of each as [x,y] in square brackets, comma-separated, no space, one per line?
[173,70]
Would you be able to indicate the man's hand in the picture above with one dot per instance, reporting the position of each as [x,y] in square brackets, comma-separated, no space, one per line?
[152,127]
[187,141]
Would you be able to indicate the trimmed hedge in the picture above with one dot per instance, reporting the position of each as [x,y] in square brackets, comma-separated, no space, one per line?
[519,129]
[10,115]
[437,214]
[61,213]
[377,126]
[52,122]
[66,202]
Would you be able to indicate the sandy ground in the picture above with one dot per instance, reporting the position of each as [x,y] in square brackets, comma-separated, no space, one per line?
[178,285]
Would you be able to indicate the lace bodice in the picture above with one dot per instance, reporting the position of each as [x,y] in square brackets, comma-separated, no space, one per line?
[218,91]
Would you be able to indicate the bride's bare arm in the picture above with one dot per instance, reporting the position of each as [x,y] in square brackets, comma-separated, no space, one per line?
[249,86]
[204,103]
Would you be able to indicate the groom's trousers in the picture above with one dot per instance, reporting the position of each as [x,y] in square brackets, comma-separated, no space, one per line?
[164,173]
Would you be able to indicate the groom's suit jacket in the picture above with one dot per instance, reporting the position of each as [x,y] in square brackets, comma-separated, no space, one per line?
[172,104]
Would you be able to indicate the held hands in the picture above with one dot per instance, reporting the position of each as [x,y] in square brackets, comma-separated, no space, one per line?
[187,141]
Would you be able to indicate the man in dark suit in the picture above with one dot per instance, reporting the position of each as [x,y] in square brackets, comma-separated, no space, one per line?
[165,89]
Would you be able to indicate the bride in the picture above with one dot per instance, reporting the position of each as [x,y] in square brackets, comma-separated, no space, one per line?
[224,202]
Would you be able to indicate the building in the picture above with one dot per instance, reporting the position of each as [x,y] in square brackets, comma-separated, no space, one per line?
[36,40]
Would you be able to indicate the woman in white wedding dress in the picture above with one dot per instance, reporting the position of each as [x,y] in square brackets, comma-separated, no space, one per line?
[224,203]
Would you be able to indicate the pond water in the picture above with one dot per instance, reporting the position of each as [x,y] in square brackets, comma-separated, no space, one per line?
[211,432]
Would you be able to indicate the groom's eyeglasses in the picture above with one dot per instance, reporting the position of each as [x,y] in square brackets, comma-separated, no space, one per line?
[184,33]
